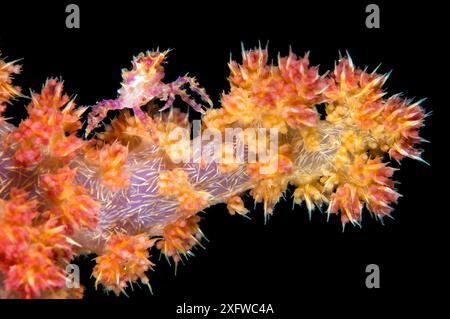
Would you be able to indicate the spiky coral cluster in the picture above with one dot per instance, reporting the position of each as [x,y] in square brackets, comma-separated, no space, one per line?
[125,260]
[369,183]
[370,127]
[128,187]
[337,161]
[45,207]
[69,204]
[48,134]
[7,90]
[110,160]
[32,254]
[179,237]
[283,97]
[383,125]
[175,183]
[35,240]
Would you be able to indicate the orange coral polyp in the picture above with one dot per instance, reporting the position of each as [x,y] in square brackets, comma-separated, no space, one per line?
[346,199]
[34,275]
[175,184]
[110,159]
[368,180]
[68,203]
[19,210]
[32,254]
[179,237]
[43,134]
[236,205]
[289,90]
[7,90]
[125,260]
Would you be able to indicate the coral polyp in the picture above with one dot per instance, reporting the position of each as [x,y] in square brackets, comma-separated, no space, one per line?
[138,184]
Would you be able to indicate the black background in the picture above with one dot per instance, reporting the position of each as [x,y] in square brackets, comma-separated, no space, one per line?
[291,262]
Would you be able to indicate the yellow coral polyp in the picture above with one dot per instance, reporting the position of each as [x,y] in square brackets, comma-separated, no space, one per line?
[236,205]
[312,194]
[111,159]
[175,183]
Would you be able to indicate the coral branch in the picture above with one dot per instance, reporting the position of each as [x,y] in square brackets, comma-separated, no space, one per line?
[139,182]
